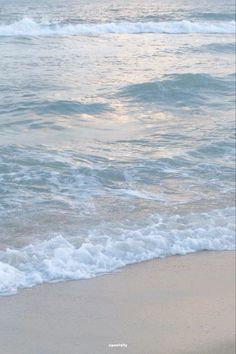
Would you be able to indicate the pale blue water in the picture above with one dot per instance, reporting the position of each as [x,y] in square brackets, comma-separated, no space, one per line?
[116,134]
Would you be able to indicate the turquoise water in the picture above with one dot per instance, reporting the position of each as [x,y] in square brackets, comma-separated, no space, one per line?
[116,135]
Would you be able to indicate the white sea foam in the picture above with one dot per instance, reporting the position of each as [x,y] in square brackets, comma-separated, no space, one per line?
[57,259]
[28,27]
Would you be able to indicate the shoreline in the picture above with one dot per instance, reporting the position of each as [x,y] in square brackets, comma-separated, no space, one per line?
[178,304]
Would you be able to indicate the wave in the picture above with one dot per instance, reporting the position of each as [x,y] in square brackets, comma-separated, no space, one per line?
[28,27]
[184,90]
[221,48]
[57,259]
[214,16]
[56,107]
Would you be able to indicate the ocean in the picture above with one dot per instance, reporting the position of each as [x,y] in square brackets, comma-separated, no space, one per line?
[117,135]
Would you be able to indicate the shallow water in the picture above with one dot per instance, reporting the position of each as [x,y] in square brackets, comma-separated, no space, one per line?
[116,135]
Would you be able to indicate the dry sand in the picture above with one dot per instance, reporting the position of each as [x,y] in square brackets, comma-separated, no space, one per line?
[175,305]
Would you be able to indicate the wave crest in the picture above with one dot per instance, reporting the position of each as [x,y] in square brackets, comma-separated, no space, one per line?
[28,27]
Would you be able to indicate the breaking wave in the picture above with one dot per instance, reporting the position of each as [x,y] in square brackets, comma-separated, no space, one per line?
[28,27]
[58,259]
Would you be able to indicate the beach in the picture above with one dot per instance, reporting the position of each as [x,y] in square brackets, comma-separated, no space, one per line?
[117,177]
[180,304]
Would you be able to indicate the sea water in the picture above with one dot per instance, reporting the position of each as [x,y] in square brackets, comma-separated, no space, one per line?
[116,134]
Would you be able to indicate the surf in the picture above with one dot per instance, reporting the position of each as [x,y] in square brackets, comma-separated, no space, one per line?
[29,27]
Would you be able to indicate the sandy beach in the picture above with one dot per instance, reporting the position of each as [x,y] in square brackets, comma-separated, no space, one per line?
[117,177]
[182,304]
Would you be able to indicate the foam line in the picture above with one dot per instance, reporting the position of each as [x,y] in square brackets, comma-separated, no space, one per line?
[28,27]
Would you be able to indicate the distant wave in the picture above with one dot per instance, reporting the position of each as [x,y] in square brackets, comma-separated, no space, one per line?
[28,27]
[221,48]
[214,16]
